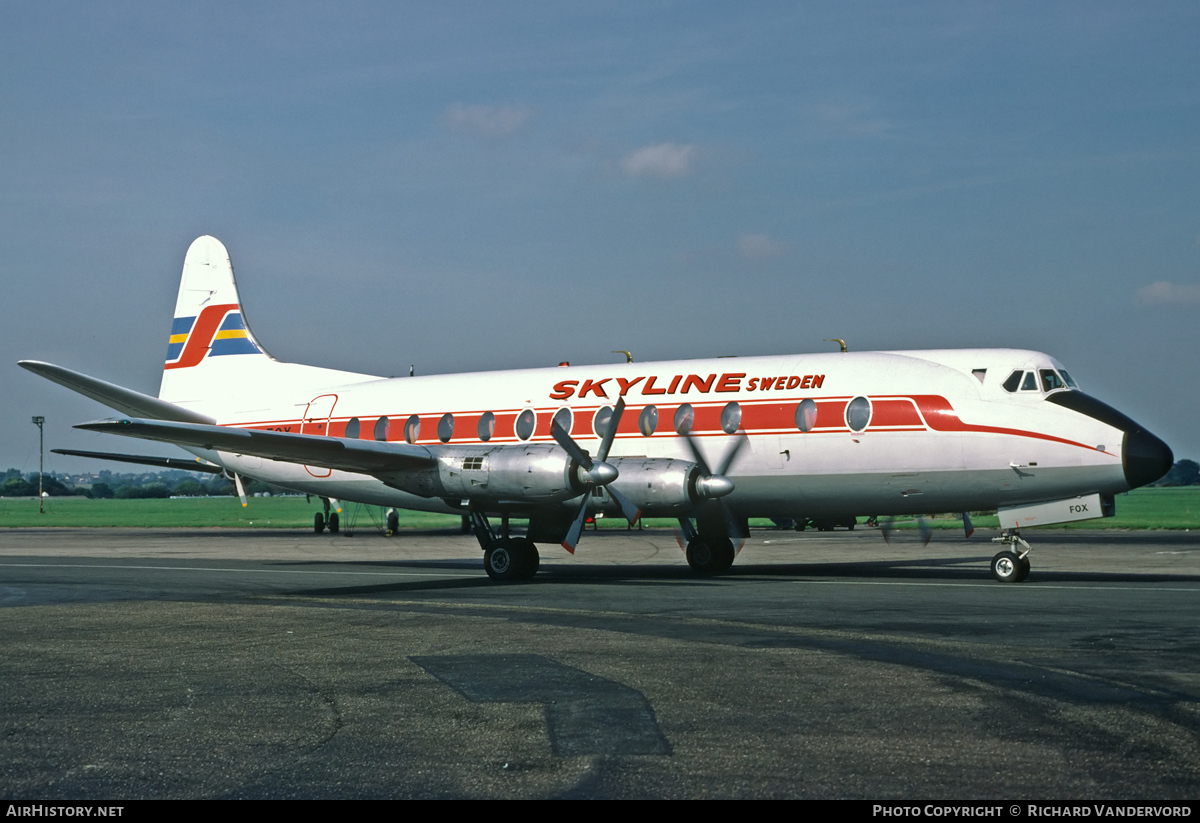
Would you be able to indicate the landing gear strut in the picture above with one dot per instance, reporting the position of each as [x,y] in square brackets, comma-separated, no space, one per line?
[1011,565]
[506,559]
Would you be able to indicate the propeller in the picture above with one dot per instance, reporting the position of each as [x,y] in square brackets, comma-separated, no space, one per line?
[598,473]
[712,485]
[968,526]
[922,526]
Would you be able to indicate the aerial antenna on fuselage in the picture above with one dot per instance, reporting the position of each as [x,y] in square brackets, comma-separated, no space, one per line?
[628,356]
[837,340]
[412,370]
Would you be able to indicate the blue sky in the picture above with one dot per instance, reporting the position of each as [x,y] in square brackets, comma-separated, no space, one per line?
[470,186]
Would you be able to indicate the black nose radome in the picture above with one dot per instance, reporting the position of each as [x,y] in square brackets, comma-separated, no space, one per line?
[1144,457]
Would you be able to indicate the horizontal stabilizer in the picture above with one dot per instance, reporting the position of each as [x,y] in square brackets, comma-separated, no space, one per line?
[126,401]
[363,456]
[187,464]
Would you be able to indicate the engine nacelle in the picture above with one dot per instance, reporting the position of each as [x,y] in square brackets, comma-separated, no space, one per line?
[659,487]
[534,473]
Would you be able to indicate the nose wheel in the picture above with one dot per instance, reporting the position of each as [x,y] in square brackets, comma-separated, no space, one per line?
[1011,565]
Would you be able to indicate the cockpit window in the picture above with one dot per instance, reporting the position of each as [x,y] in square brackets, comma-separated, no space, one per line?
[1013,381]
[1051,380]
[1030,382]
[1067,378]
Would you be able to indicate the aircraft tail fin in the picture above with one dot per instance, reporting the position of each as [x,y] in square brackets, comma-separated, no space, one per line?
[211,350]
[208,326]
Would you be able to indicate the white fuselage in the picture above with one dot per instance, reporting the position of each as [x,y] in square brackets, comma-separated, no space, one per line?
[941,433]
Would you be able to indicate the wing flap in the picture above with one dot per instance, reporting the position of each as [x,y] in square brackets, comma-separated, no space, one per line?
[363,456]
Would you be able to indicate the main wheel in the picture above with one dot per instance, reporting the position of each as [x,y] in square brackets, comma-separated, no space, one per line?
[333,523]
[499,562]
[1007,567]
[318,522]
[526,554]
[393,522]
[709,556]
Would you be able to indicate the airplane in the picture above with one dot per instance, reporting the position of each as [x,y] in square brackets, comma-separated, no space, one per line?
[830,435]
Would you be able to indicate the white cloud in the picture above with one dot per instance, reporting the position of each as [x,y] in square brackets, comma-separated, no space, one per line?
[760,246]
[1164,291]
[486,122]
[662,161]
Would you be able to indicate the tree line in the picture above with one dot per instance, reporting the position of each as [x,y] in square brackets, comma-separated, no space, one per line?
[109,485]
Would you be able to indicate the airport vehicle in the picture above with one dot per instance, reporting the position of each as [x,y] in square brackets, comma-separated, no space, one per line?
[709,442]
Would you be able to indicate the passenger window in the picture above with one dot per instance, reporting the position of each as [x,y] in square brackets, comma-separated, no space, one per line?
[601,419]
[1030,382]
[487,426]
[858,414]
[381,429]
[648,421]
[526,421]
[446,427]
[731,418]
[1013,381]
[806,415]
[684,417]
[352,429]
[412,429]
[562,419]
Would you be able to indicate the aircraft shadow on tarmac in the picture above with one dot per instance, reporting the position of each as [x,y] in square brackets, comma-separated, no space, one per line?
[963,569]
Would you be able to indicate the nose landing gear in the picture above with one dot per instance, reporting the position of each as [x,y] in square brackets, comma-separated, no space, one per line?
[1011,565]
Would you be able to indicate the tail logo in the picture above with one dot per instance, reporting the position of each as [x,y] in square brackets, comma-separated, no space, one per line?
[216,331]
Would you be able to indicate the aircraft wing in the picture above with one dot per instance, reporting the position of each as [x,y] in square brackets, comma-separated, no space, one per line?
[363,456]
[116,397]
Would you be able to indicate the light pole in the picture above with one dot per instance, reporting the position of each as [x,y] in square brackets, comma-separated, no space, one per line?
[39,421]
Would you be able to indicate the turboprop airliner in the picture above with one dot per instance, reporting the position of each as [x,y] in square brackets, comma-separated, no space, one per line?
[710,442]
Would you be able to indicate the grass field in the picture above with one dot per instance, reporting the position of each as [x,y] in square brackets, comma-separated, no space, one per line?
[1174,508]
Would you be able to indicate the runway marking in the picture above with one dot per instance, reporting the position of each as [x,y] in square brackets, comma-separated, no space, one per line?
[233,571]
[993,585]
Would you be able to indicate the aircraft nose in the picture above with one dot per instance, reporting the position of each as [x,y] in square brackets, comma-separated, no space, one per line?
[1144,457]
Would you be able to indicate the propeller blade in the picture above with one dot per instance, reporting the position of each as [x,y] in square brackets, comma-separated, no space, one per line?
[715,484]
[611,433]
[926,531]
[631,512]
[237,481]
[697,455]
[570,446]
[968,527]
[572,539]
[732,454]
[886,529]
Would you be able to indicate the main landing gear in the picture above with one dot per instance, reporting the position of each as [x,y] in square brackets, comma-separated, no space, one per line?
[1011,565]
[328,518]
[506,559]
[709,553]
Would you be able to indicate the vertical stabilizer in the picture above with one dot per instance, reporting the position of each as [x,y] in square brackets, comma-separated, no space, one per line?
[209,337]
